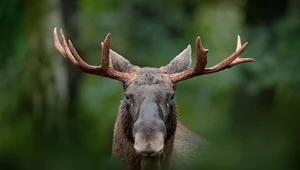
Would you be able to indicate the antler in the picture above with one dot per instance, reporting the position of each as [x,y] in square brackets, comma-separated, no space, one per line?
[69,52]
[201,61]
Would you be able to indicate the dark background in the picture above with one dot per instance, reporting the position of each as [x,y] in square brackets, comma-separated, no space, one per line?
[54,117]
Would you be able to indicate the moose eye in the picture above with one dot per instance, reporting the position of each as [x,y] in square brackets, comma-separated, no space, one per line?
[126,97]
[172,97]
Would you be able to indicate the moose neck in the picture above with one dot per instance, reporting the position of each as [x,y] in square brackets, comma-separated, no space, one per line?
[123,146]
[148,163]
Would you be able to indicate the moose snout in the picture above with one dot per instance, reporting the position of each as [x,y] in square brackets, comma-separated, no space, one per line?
[149,130]
[149,145]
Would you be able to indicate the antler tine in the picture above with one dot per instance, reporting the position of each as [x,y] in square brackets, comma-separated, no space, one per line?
[70,53]
[224,64]
[201,61]
[197,69]
[105,52]
[82,65]
[201,57]
[239,60]
[232,60]
[74,57]
[57,44]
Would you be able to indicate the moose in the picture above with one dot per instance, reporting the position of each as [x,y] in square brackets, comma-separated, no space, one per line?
[147,133]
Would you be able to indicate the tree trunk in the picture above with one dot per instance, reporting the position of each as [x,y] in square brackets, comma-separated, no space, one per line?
[69,8]
[45,73]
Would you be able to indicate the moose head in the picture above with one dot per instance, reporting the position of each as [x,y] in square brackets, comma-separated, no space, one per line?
[147,122]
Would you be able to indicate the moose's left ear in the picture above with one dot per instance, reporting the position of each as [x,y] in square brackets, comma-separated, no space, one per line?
[180,63]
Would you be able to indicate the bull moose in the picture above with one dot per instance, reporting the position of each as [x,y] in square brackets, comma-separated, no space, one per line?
[147,133]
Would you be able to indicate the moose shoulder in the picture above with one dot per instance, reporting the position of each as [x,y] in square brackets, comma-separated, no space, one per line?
[147,133]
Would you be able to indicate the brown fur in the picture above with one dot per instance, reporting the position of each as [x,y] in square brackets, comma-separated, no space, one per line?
[182,147]
[123,146]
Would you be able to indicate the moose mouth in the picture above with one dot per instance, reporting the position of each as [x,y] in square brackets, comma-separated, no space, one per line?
[149,146]
[149,153]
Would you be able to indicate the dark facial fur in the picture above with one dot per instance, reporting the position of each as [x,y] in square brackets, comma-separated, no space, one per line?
[148,109]
[153,85]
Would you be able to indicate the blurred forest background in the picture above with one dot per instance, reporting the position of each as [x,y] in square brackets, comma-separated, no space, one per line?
[54,117]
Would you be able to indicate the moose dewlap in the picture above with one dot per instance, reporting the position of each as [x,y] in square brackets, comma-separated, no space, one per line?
[147,134]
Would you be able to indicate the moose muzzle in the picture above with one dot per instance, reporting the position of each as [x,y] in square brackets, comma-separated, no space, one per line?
[146,146]
[149,130]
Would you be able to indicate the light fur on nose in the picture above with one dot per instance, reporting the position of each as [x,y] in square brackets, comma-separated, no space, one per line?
[152,147]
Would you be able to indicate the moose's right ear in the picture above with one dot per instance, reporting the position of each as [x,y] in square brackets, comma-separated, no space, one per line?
[119,63]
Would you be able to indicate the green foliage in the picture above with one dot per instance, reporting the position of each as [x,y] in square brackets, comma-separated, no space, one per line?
[249,113]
